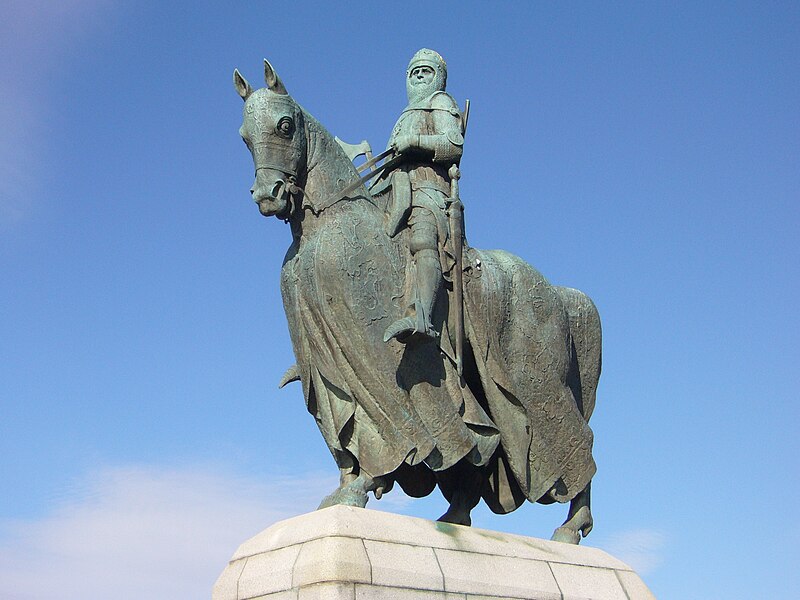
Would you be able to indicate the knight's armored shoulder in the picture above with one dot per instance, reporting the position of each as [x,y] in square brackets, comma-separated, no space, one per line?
[454,130]
[443,101]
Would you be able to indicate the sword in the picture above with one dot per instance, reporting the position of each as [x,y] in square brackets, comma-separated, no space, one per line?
[455,211]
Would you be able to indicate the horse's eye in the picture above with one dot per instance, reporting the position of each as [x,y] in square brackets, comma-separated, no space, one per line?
[285,127]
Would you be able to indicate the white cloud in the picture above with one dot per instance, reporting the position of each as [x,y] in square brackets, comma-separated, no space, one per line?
[642,549]
[143,532]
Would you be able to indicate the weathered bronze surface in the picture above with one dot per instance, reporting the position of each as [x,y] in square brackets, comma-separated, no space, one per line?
[381,330]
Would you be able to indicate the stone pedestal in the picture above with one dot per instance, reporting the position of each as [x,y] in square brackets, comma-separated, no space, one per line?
[345,553]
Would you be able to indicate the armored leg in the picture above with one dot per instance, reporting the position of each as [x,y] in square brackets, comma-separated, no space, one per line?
[427,278]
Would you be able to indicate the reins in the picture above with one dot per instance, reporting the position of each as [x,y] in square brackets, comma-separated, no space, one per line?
[342,195]
[293,189]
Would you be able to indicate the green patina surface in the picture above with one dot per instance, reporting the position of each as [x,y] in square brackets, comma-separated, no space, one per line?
[425,362]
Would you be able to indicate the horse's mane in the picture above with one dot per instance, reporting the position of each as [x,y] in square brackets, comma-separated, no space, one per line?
[329,170]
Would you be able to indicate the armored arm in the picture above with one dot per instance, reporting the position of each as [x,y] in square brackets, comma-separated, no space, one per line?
[447,144]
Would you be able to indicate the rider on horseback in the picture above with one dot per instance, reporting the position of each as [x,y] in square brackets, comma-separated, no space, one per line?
[430,135]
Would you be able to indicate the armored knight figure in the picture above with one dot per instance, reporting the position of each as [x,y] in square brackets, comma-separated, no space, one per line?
[430,135]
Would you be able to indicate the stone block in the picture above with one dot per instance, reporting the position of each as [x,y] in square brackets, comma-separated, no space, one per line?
[227,585]
[340,559]
[331,590]
[285,595]
[400,565]
[267,573]
[374,592]
[634,586]
[587,583]
[505,576]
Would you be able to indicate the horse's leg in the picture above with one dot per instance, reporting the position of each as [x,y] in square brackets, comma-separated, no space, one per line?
[353,489]
[346,476]
[462,484]
[579,519]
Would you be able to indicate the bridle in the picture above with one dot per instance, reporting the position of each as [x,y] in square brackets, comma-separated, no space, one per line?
[288,184]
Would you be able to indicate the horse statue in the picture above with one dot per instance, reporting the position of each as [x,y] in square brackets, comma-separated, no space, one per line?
[513,426]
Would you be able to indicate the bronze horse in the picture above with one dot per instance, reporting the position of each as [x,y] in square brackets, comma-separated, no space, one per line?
[513,428]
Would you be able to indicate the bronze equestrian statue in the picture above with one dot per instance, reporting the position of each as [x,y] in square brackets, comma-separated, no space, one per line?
[424,361]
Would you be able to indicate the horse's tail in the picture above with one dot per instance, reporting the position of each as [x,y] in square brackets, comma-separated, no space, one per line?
[584,325]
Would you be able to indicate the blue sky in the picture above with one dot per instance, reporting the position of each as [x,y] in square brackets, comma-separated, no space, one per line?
[646,153]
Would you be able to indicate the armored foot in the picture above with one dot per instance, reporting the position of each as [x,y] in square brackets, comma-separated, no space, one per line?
[406,329]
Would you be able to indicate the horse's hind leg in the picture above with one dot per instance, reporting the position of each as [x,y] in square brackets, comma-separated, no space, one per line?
[579,519]
[461,486]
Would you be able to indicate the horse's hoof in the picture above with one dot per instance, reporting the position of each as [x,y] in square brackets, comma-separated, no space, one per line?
[566,536]
[347,496]
[583,521]
[456,518]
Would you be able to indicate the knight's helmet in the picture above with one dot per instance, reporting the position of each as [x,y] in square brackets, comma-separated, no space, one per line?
[432,59]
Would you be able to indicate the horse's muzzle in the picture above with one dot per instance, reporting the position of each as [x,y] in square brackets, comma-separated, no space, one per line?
[263,193]
[274,202]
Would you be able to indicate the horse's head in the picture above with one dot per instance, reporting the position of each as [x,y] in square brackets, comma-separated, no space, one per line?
[274,130]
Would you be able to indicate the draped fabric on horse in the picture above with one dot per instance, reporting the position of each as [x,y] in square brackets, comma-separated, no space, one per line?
[401,410]
[519,329]
[393,405]
[386,406]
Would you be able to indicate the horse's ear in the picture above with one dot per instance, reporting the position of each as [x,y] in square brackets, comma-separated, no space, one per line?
[273,81]
[240,83]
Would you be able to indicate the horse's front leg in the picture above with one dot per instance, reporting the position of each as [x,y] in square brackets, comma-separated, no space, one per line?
[354,485]
[579,519]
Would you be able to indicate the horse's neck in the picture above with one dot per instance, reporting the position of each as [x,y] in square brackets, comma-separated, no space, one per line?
[329,171]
